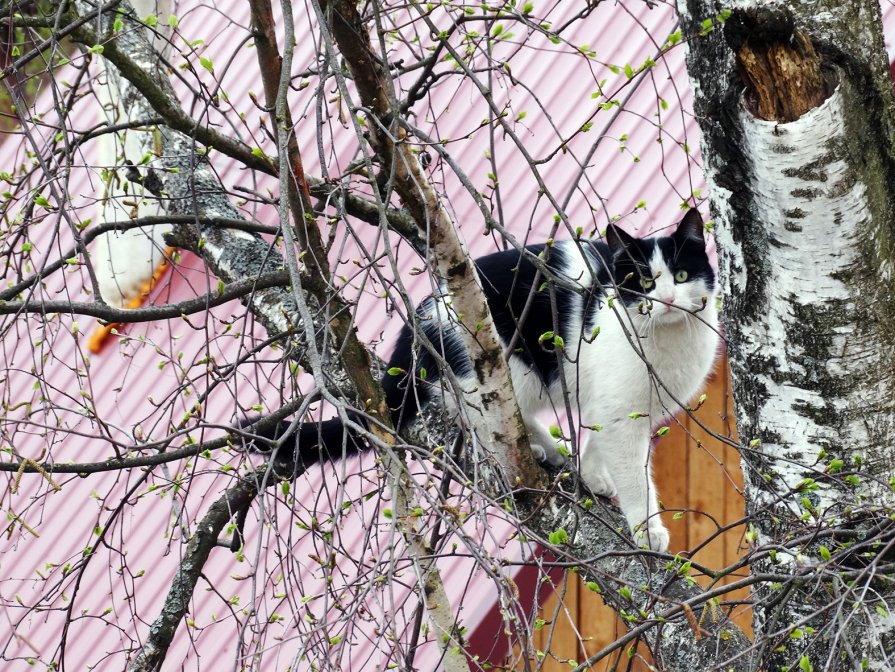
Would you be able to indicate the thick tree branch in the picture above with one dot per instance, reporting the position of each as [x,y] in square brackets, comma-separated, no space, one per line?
[498,424]
[638,586]
[236,499]
[240,289]
[293,185]
[158,93]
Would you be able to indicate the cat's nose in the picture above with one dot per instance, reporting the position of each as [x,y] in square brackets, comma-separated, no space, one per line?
[663,304]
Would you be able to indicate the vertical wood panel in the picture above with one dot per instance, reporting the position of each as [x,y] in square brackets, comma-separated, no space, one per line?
[695,472]
[671,468]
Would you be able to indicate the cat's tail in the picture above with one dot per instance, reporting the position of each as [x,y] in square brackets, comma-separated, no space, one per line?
[406,391]
[331,440]
[310,442]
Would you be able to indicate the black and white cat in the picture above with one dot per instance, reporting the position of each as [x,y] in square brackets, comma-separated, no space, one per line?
[638,324]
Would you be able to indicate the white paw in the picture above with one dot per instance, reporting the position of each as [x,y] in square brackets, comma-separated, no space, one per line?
[601,483]
[549,454]
[653,536]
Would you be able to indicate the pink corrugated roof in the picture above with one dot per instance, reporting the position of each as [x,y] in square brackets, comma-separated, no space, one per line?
[277,606]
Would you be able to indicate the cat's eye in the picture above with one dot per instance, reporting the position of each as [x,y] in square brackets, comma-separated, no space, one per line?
[646,283]
[681,276]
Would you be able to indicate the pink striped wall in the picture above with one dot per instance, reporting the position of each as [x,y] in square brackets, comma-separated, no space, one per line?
[103,606]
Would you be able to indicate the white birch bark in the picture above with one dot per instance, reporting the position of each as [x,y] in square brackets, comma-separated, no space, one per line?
[126,260]
[803,214]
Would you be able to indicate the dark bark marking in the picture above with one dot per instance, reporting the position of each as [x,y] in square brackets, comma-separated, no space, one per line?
[806,193]
[457,270]
[783,149]
[810,172]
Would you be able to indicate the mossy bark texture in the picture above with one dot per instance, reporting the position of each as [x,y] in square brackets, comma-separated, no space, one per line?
[795,105]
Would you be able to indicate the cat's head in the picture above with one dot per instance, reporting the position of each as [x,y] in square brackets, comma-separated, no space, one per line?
[664,278]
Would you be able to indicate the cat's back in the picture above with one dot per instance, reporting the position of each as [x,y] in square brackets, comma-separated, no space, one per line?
[561,266]
[545,290]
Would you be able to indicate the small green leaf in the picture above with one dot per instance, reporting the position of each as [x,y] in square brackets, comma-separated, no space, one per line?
[805,665]
[557,537]
[396,371]
[592,586]
[625,592]
[555,432]
[825,553]
[96,49]
[207,63]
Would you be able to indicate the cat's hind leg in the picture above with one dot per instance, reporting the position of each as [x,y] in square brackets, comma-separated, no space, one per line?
[543,445]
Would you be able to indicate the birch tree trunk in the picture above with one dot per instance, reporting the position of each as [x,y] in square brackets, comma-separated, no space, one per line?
[795,105]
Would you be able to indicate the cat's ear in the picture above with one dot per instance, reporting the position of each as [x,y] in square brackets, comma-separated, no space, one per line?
[618,240]
[691,227]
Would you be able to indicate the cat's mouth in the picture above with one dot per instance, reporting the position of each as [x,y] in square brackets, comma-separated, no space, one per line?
[662,310]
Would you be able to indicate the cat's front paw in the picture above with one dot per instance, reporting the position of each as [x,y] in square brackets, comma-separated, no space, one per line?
[652,535]
[601,483]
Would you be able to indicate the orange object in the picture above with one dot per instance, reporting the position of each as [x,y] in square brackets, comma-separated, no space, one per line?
[99,336]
